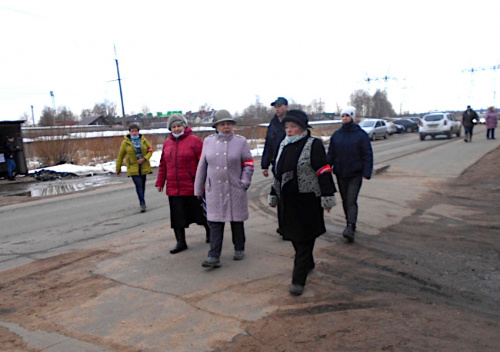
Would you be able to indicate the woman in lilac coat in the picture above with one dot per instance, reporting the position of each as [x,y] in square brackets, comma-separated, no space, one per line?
[224,175]
[491,122]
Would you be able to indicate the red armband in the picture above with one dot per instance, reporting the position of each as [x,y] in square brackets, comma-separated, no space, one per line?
[150,149]
[248,162]
[324,169]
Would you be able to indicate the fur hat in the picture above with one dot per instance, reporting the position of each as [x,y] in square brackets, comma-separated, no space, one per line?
[222,115]
[176,118]
[297,116]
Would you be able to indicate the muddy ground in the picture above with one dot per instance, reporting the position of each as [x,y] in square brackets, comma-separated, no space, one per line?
[429,283]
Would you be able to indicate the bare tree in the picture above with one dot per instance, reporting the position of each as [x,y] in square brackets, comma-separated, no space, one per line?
[362,101]
[85,113]
[381,105]
[48,117]
[105,108]
[64,116]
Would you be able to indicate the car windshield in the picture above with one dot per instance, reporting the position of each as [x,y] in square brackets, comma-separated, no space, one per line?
[367,123]
[435,117]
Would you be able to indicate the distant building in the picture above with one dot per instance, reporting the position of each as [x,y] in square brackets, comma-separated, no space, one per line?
[97,120]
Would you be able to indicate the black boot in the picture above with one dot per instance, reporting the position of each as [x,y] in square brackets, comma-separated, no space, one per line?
[207,233]
[349,232]
[180,236]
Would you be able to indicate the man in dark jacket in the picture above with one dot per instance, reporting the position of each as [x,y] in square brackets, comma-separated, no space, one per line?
[469,119]
[350,154]
[275,134]
[10,149]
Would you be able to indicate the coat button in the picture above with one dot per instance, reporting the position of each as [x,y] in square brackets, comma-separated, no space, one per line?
[219,181]
[225,167]
[225,153]
[227,195]
[217,168]
[217,154]
[225,142]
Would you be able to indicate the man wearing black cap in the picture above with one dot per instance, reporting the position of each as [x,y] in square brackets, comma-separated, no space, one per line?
[275,134]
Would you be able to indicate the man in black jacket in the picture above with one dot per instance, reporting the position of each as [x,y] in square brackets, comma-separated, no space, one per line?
[469,119]
[275,134]
[10,149]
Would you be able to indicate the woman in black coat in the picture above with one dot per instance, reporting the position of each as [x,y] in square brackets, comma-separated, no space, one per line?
[350,154]
[303,188]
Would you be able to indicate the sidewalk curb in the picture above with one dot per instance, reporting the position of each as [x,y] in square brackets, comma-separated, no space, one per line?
[380,169]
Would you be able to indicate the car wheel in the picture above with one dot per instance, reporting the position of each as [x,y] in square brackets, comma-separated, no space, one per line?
[448,134]
[422,136]
[408,129]
[373,136]
[459,132]
[386,135]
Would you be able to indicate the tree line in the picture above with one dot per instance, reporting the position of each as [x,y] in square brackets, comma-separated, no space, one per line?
[376,105]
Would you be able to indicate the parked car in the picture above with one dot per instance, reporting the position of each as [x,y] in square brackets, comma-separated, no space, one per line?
[391,127]
[414,119]
[376,128]
[409,125]
[439,124]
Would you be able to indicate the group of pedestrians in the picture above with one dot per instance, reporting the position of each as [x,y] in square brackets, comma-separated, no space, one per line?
[206,182]
[470,118]
[303,187]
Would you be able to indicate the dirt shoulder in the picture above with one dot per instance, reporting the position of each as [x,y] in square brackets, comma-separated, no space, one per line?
[429,283]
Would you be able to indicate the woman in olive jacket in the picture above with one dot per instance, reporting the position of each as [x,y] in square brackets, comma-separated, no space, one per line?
[137,151]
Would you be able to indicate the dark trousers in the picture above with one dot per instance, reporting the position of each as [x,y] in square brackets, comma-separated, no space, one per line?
[349,189]
[140,187]
[304,261]
[11,166]
[468,131]
[490,131]
[217,237]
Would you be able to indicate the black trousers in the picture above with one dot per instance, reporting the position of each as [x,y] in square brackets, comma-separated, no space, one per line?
[304,261]
[349,190]
[217,237]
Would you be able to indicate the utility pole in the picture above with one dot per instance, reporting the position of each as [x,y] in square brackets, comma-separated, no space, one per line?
[53,101]
[32,115]
[120,85]
[473,70]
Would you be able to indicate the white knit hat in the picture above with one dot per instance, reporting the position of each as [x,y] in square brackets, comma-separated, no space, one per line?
[349,110]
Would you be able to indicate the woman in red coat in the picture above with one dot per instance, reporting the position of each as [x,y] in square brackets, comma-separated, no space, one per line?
[179,161]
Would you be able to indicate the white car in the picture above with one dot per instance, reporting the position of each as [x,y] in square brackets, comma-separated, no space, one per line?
[376,128]
[391,127]
[439,123]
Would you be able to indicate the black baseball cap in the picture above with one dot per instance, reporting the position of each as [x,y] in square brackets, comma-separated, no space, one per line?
[281,101]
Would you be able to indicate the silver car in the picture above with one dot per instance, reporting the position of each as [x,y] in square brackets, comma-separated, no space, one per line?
[376,128]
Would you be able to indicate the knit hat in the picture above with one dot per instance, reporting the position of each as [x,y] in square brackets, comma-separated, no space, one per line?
[297,116]
[222,115]
[349,110]
[176,118]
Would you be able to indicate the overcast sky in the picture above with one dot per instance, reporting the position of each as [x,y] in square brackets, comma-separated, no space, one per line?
[180,55]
